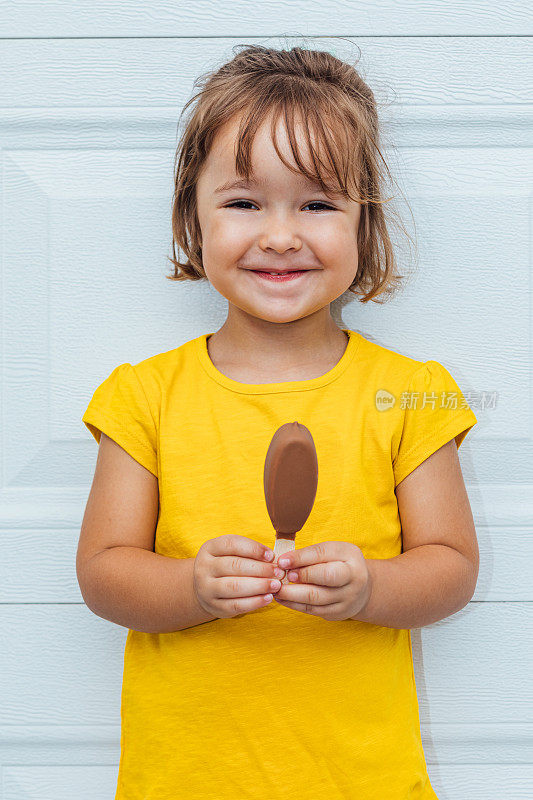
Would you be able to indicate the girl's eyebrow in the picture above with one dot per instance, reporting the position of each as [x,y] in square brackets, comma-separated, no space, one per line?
[238,184]
[242,184]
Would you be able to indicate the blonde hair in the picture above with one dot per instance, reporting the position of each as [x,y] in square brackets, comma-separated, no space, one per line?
[311,86]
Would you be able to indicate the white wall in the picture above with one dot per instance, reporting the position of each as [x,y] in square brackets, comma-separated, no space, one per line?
[89,100]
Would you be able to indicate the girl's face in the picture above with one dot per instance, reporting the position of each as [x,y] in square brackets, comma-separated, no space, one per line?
[280,221]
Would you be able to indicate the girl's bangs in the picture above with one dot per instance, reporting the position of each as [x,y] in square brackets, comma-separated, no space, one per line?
[330,152]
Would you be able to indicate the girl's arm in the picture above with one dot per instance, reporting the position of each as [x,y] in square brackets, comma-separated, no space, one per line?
[436,574]
[120,576]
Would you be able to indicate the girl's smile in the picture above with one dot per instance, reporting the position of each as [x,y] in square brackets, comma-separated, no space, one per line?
[279,277]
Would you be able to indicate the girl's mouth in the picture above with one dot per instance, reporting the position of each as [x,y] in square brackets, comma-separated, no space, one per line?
[279,277]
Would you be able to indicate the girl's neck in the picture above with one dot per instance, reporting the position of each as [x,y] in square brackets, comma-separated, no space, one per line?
[258,351]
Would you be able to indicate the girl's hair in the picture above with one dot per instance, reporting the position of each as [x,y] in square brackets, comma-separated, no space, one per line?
[333,103]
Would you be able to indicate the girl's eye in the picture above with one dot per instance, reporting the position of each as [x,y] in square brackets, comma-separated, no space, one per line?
[240,203]
[318,203]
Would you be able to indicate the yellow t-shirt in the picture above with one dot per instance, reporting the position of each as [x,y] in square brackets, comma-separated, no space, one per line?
[275,704]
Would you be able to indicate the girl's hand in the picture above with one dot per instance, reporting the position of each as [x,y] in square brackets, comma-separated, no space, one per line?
[333,580]
[231,576]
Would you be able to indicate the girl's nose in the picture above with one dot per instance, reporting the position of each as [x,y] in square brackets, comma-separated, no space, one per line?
[280,236]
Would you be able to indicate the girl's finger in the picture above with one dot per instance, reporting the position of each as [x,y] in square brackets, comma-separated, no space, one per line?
[243,605]
[225,566]
[310,595]
[233,544]
[333,611]
[331,573]
[321,552]
[235,587]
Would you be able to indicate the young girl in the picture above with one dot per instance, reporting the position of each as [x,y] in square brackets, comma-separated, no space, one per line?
[236,686]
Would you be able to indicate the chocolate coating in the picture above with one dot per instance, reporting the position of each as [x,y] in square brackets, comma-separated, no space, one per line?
[290,478]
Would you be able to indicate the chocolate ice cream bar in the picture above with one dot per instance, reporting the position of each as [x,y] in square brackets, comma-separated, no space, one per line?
[290,482]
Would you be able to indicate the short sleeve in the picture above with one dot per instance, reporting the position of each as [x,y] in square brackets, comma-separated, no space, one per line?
[120,409]
[435,411]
